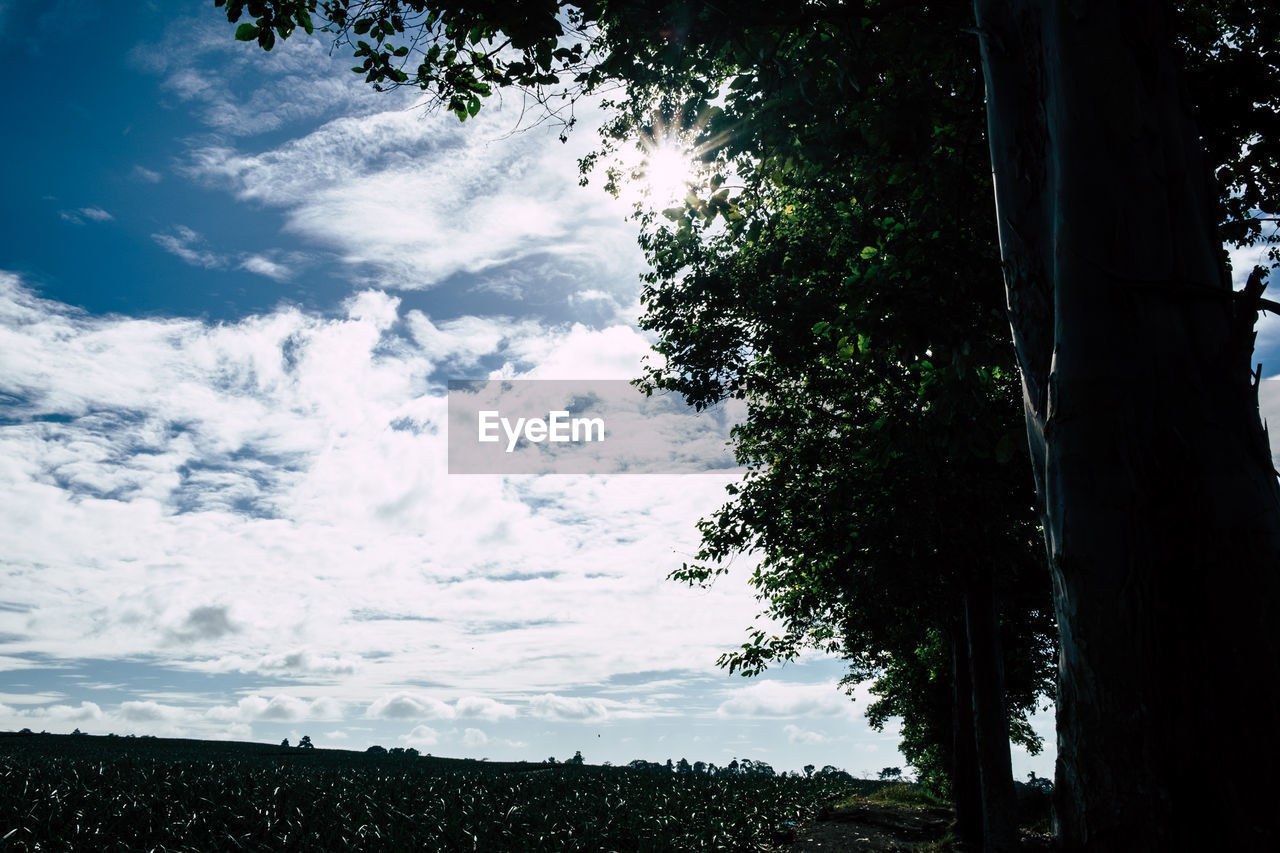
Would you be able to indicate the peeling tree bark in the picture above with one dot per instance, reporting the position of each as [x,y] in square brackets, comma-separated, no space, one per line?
[1160,504]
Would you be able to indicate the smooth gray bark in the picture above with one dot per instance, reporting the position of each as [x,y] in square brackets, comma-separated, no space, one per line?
[1160,504]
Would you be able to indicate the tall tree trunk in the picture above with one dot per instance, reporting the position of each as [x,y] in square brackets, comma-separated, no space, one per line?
[1160,505]
[966,784]
[990,716]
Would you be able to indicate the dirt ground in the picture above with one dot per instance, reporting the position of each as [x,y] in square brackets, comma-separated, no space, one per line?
[870,826]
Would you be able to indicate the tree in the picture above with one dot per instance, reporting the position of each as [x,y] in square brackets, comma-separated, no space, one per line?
[1157,496]
[284,743]
[871,492]
[1160,504]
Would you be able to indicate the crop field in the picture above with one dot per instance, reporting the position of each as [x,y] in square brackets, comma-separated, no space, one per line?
[114,794]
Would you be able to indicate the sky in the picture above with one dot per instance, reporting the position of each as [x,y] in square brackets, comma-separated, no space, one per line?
[233,289]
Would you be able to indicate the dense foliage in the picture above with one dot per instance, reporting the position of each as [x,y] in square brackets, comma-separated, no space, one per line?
[857,405]
[837,269]
[86,793]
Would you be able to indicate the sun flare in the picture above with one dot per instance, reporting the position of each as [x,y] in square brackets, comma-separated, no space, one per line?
[665,174]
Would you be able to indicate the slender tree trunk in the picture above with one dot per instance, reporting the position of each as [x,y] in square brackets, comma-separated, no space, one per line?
[966,785]
[990,716]
[1160,505]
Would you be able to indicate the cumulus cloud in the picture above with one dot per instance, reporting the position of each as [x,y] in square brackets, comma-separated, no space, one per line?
[409,706]
[405,705]
[248,497]
[780,699]
[483,708]
[298,663]
[421,737]
[565,708]
[797,735]
[148,711]
[279,708]
[474,737]
[203,623]
[64,713]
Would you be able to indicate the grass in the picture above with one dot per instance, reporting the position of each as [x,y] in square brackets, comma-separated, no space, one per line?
[894,793]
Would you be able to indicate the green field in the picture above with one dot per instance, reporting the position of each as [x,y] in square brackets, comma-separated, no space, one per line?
[77,792]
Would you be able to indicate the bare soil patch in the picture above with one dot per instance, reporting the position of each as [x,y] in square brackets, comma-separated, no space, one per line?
[871,826]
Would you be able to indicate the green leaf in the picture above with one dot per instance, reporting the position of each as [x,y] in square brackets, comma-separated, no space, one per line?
[362,26]
[246,32]
[1006,447]
[868,252]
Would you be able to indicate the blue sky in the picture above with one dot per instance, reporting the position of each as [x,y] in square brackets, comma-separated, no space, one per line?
[232,289]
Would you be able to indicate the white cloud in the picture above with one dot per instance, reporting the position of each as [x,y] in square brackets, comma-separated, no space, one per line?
[78,217]
[465,200]
[85,711]
[266,267]
[483,708]
[779,699]
[474,737]
[552,707]
[797,735]
[148,711]
[408,706]
[421,737]
[296,662]
[238,90]
[591,295]
[190,247]
[246,497]
[281,707]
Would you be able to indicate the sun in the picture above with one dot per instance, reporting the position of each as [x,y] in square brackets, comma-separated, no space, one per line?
[665,174]
[655,174]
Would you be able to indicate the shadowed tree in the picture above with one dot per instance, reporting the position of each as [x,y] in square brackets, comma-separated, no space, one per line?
[1157,495]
